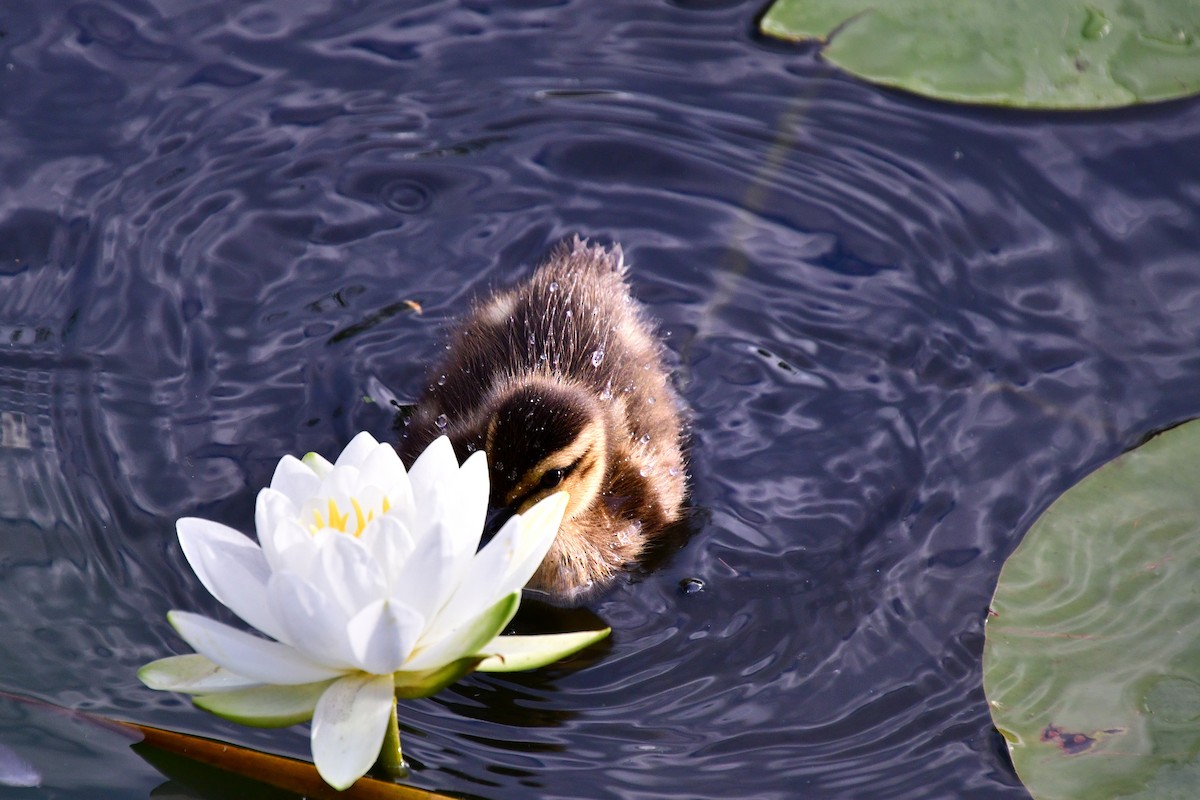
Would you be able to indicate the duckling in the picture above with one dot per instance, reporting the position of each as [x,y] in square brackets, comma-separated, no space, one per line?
[561,382]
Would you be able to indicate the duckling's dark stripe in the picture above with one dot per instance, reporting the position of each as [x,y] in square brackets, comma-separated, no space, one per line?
[551,426]
[536,482]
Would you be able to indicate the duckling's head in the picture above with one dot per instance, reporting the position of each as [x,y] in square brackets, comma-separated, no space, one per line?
[545,436]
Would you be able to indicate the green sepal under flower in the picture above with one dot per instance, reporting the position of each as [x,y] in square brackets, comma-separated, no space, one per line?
[266,706]
[485,628]
[411,685]
[516,653]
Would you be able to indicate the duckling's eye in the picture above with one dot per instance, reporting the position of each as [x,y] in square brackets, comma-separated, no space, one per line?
[552,478]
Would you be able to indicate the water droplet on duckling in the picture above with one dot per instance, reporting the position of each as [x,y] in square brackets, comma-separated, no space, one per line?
[441,380]
[597,357]
[643,472]
[553,286]
[441,422]
[672,471]
[645,438]
[607,393]
[691,585]
[569,313]
[471,448]
[650,400]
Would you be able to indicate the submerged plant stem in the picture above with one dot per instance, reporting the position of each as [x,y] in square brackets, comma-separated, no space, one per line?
[391,760]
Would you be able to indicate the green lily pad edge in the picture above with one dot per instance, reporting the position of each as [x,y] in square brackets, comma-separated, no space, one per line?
[1091,662]
[1019,53]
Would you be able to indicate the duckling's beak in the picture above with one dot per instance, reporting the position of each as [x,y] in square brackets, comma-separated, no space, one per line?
[494,521]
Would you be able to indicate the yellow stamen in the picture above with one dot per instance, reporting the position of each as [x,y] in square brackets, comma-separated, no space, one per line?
[337,520]
[359,514]
[387,504]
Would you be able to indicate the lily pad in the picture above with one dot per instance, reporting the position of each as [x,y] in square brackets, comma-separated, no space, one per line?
[1028,53]
[1092,658]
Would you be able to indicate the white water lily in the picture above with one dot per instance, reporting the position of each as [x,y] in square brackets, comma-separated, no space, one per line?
[370,580]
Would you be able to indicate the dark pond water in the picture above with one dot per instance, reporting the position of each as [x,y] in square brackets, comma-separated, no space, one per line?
[904,329]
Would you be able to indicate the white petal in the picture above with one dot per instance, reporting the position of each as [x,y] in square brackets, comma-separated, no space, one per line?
[345,572]
[505,564]
[316,625]
[355,453]
[383,468]
[461,511]
[433,470]
[348,727]
[271,510]
[421,581]
[390,545]
[247,655]
[466,640]
[471,501]
[486,580]
[383,634]
[340,485]
[402,505]
[539,527]
[294,480]
[232,568]
[459,545]
[298,547]
[390,476]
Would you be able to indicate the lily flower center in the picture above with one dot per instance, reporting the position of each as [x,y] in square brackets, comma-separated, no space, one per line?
[352,520]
